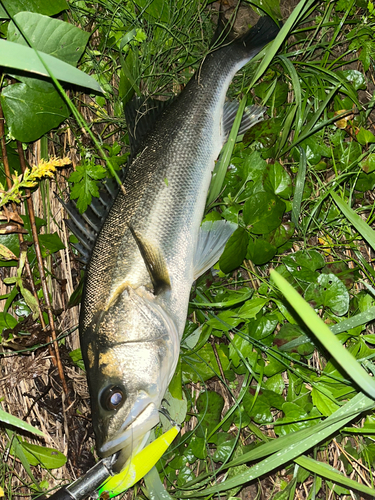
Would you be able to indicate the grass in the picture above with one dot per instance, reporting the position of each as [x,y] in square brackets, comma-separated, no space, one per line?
[274,383]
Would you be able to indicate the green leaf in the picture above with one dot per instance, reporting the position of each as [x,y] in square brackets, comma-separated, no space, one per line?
[365,137]
[9,419]
[16,56]
[85,184]
[202,365]
[159,9]
[48,458]
[329,291]
[263,212]
[287,334]
[260,251]
[234,251]
[278,181]
[76,357]
[209,405]
[47,7]
[30,113]
[57,38]
[368,164]
[51,243]
[251,307]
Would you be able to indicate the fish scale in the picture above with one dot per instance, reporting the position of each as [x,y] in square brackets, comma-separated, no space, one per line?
[145,256]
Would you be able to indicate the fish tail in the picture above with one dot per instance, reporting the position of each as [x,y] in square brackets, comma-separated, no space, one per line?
[247,46]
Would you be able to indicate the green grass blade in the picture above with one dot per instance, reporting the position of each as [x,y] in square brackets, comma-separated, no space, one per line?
[300,185]
[20,57]
[330,473]
[302,7]
[222,165]
[343,357]
[359,224]
[291,449]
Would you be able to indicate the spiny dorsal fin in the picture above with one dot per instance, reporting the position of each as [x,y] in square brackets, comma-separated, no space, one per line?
[86,226]
[154,262]
[211,242]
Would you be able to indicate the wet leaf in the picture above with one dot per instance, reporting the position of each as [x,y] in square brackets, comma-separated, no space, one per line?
[30,113]
[48,458]
[209,405]
[260,251]
[329,291]
[278,181]
[234,251]
[263,212]
[46,7]
[50,243]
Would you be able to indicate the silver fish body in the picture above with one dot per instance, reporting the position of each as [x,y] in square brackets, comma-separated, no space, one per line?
[145,259]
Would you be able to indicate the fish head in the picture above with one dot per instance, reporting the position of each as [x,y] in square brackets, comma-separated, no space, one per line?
[130,352]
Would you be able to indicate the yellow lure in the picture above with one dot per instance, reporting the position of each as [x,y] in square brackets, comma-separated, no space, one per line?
[138,466]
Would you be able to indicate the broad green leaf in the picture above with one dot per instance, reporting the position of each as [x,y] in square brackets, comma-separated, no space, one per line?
[16,56]
[30,113]
[365,137]
[324,404]
[46,7]
[287,334]
[234,251]
[49,458]
[368,164]
[280,235]
[328,291]
[159,9]
[51,36]
[76,357]
[51,243]
[202,365]
[278,181]
[209,405]
[251,307]
[260,251]
[263,212]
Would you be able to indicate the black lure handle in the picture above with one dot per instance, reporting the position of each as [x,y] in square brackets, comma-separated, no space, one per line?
[88,483]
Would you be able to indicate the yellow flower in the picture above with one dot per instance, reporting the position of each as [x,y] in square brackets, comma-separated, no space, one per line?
[48,168]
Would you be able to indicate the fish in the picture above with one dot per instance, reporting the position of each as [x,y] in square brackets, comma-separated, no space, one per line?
[147,250]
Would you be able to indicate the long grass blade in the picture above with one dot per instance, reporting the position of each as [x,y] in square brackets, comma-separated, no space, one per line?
[343,357]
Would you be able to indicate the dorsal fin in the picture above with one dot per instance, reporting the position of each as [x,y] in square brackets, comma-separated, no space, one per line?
[86,226]
[141,115]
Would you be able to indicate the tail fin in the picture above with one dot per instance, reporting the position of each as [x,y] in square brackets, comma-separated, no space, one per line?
[257,37]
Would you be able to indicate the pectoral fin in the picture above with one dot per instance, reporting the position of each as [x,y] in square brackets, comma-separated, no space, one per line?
[211,242]
[154,262]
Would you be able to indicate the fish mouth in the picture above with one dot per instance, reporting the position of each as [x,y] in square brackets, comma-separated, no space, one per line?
[133,432]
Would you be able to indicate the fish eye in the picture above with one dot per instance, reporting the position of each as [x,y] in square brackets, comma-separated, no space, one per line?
[112,398]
